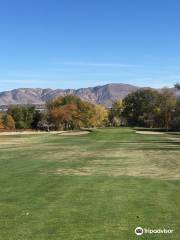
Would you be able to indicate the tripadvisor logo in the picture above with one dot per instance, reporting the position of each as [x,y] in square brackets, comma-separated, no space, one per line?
[139,231]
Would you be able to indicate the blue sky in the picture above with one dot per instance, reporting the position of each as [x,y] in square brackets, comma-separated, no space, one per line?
[73,44]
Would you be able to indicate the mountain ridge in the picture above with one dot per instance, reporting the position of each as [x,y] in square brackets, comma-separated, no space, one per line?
[105,94]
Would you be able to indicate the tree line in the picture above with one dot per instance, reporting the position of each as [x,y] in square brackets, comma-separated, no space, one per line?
[147,108]
[143,108]
[63,113]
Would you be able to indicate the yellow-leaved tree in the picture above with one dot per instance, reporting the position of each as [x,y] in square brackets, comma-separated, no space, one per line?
[99,117]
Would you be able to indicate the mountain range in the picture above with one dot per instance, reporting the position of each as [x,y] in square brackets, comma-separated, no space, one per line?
[104,95]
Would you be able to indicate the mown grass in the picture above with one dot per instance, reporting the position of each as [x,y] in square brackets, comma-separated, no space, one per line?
[98,186]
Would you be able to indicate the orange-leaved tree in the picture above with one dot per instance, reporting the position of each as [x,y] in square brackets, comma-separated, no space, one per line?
[7,122]
[66,117]
[71,112]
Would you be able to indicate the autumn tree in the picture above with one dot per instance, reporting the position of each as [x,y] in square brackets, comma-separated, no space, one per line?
[1,126]
[66,117]
[115,114]
[70,112]
[99,117]
[62,101]
[7,122]
[1,123]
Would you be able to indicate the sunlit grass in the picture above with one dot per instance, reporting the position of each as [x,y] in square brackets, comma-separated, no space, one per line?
[97,186]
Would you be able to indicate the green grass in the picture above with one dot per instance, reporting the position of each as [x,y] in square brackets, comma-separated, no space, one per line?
[99,186]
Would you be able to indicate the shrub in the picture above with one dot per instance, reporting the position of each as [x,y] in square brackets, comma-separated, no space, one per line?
[7,122]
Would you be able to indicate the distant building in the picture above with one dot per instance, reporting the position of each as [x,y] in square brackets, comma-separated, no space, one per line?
[38,107]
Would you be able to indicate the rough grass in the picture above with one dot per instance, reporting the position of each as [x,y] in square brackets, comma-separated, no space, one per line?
[96,186]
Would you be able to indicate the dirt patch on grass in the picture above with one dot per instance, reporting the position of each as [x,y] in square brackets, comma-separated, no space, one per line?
[117,171]
[63,133]
[149,132]
[137,163]
[27,133]
[175,139]
[77,172]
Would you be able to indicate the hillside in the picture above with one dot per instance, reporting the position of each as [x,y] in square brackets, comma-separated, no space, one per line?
[104,95]
[101,94]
